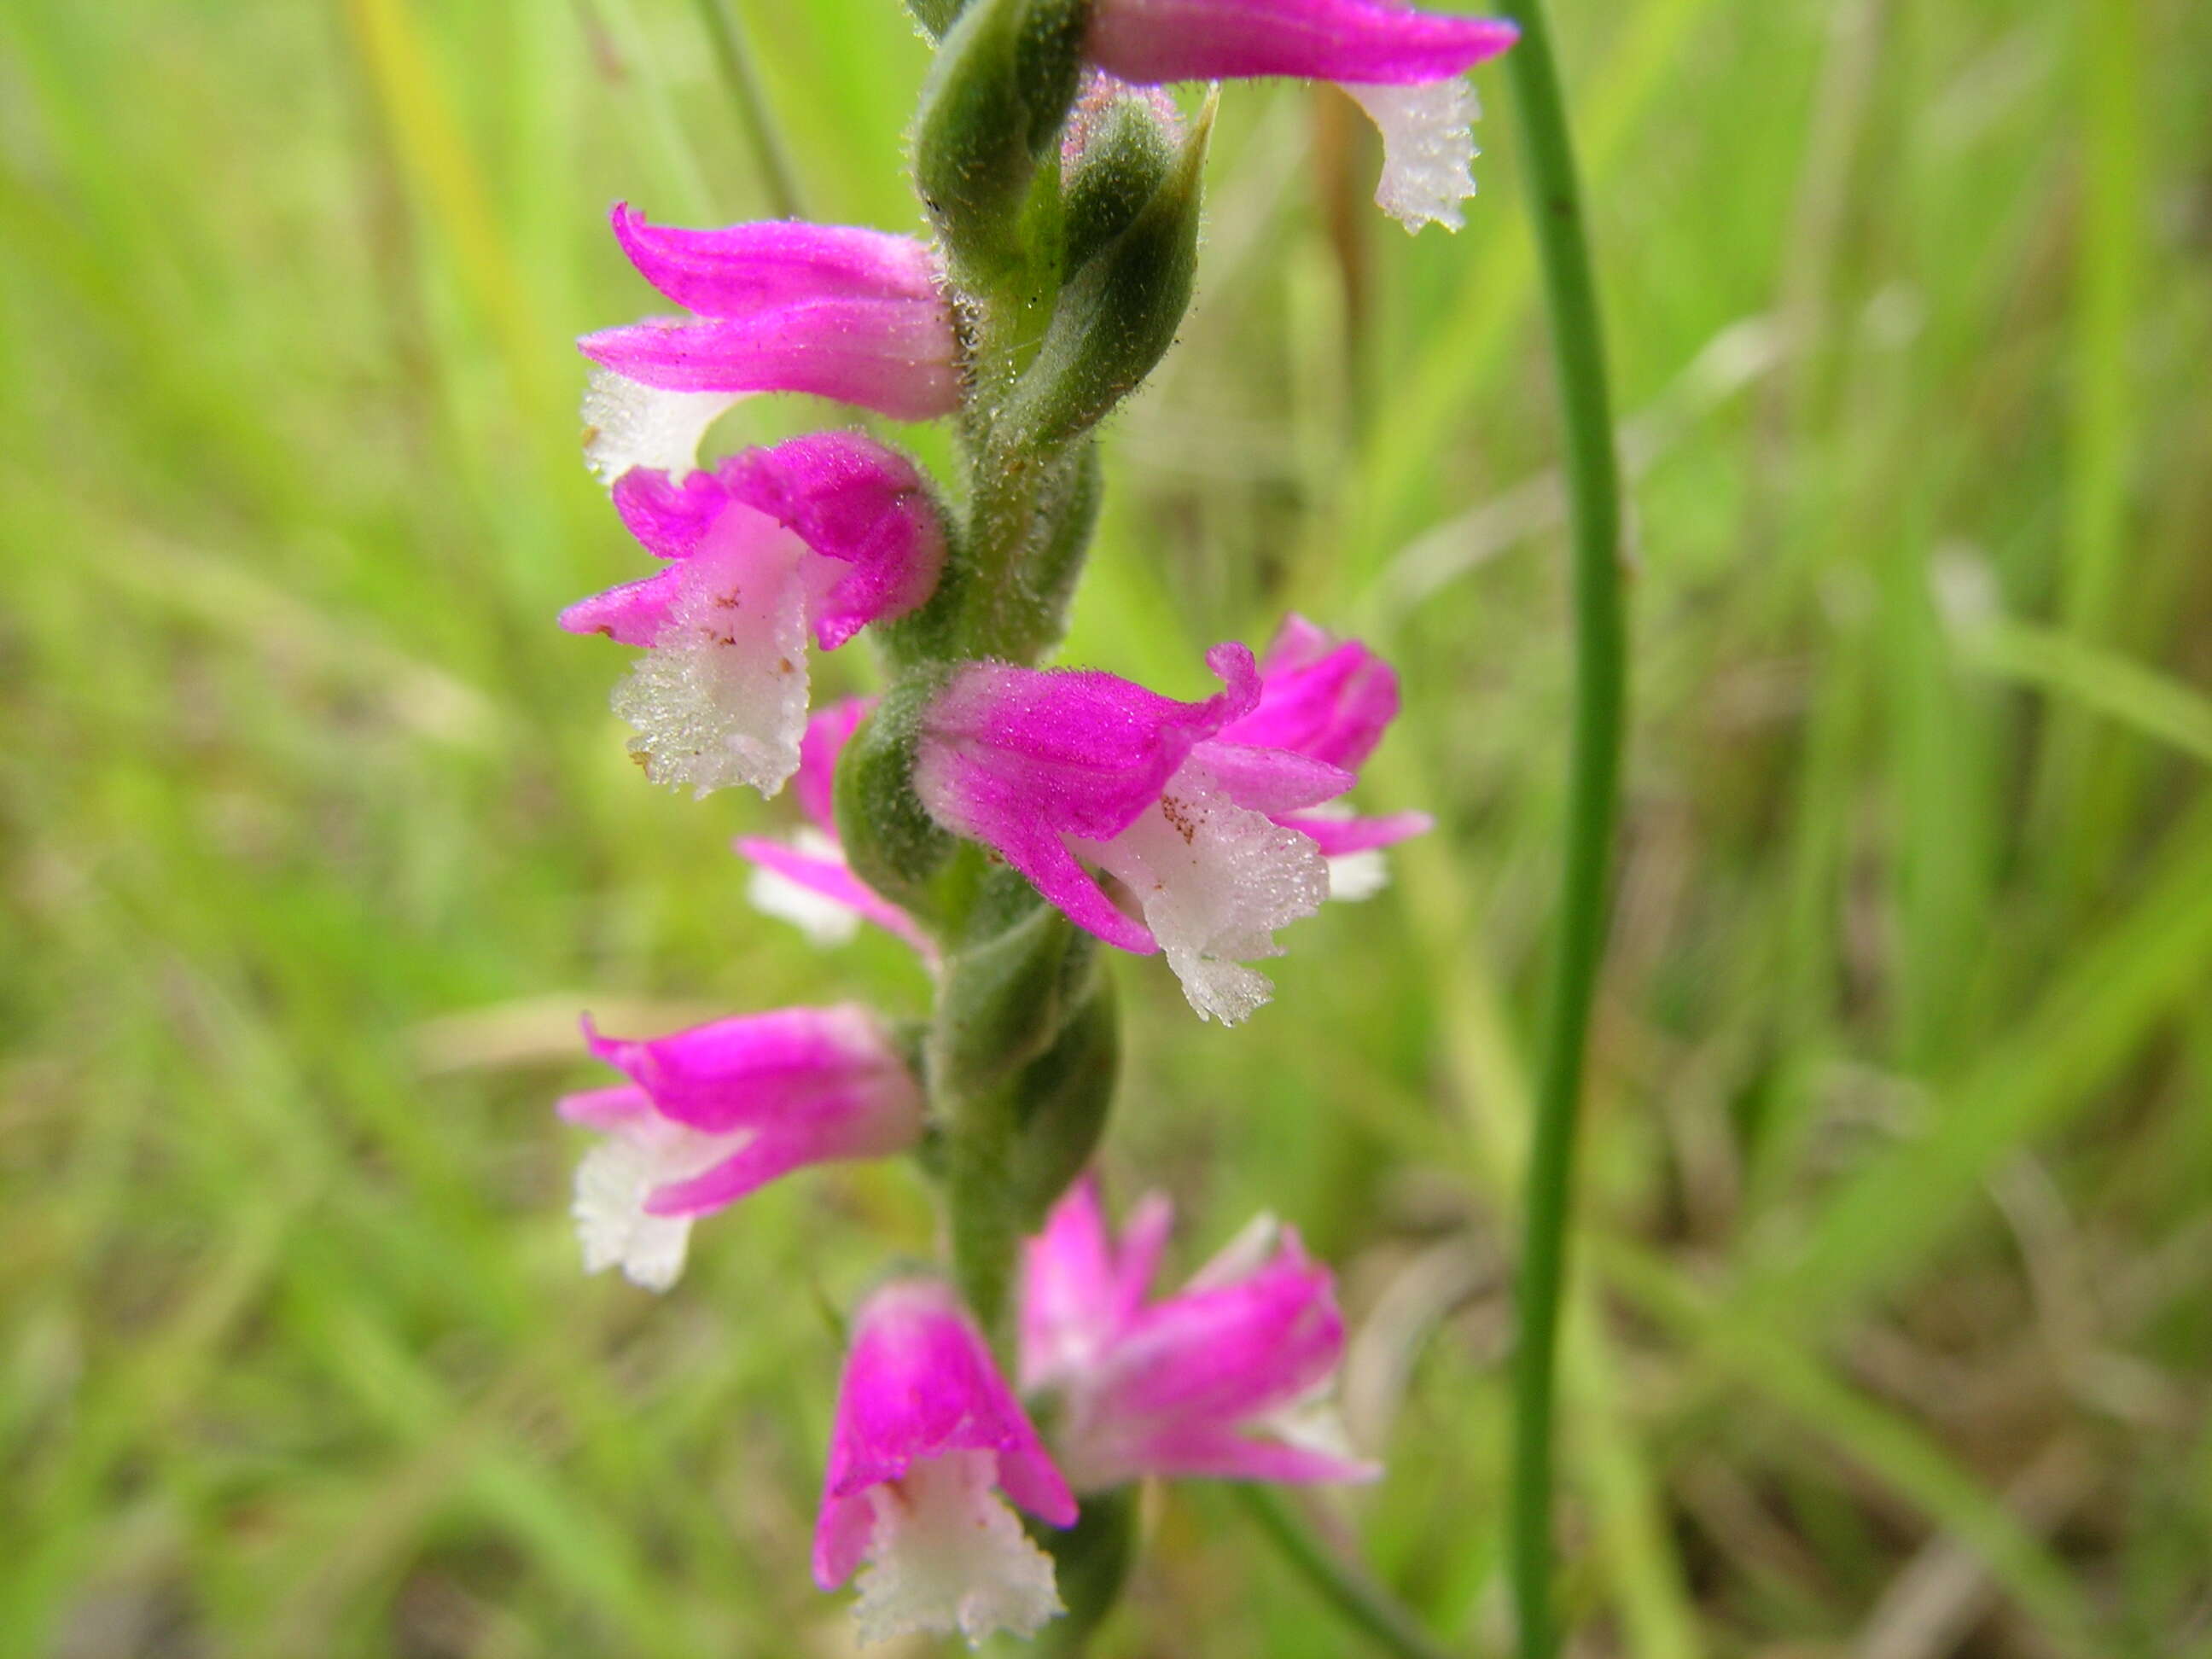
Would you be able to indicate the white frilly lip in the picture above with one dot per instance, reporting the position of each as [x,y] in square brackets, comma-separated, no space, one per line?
[1428,150]
[613,1182]
[629,424]
[946,1553]
[1213,881]
[720,697]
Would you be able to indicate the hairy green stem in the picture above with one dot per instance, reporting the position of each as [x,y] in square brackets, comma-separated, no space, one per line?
[1600,681]
[727,36]
[1364,1604]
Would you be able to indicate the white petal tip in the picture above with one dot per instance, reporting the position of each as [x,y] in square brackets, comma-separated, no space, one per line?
[823,920]
[1428,150]
[721,697]
[628,424]
[612,1183]
[947,1554]
[1356,876]
[1226,991]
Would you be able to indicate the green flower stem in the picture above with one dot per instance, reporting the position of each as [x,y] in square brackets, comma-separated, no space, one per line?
[978,1169]
[1600,681]
[1364,1604]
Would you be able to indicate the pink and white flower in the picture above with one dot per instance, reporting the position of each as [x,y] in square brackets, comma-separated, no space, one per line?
[824,533]
[1401,65]
[857,315]
[928,1448]
[1061,767]
[711,1112]
[1229,1378]
[1330,700]
[806,880]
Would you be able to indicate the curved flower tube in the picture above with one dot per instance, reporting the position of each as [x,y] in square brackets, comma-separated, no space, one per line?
[928,1447]
[1402,65]
[1058,768]
[833,309]
[711,1112]
[823,534]
[1226,1378]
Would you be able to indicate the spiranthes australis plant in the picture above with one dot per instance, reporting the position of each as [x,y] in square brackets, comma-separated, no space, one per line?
[1004,820]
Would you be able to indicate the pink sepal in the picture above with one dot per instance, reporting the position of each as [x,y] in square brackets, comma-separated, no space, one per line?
[741,269]
[1207,1382]
[618,1107]
[1273,781]
[1226,1454]
[1371,42]
[827,733]
[1079,1292]
[895,356]
[630,613]
[1337,837]
[833,879]
[1328,699]
[919,1383]
[793,1064]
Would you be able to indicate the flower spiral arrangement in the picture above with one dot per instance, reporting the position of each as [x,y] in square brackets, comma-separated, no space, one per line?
[1004,819]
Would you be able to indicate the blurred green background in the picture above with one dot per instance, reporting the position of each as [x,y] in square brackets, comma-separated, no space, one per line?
[1892,1332]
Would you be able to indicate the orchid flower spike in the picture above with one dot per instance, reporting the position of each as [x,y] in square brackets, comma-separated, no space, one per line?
[711,1112]
[1059,768]
[1330,700]
[841,312]
[1229,1378]
[826,533]
[1402,65]
[928,1446]
[806,880]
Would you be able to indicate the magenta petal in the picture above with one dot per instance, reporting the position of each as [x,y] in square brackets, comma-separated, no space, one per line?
[1070,1295]
[1327,699]
[1374,42]
[819,1063]
[856,500]
[834,880]
[610,1109]
[631,614]
[841,1538]
[671,518]
[1238,1350]
[895,356]
[827,734]
[758,1162]
[1079,1292]
[1337,837]
[1272,780]
[740,268]
[1212,1453]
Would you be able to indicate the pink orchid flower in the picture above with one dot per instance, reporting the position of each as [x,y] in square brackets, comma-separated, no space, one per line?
[1058,768]
[781,306]
[1227,1378]
[1401,65]
[711,1112]
[823,534]
[928,1446]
